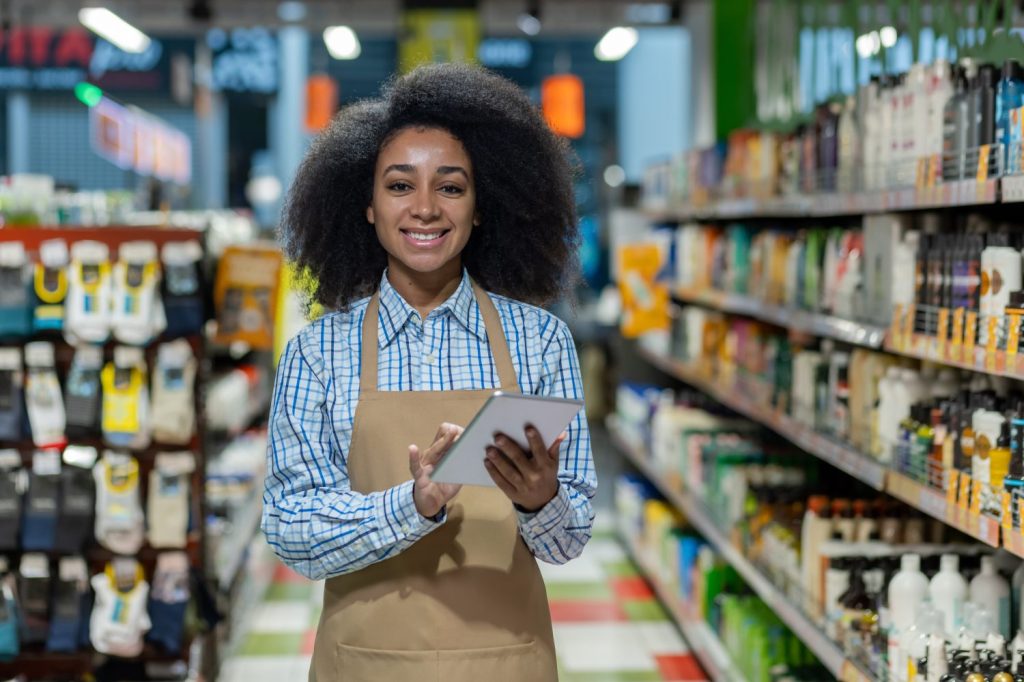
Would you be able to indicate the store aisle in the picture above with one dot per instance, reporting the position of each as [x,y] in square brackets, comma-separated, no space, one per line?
[608,625]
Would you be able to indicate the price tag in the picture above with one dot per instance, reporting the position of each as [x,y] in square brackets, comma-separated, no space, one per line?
[983,154]
[933,170]
[895,331]
[943,332]
[992,342]
[970,336]
[984,529]
[958,334]
[964,495]
[976,498]
[908,327]
[951,489]
[1007,515]
[1012,338]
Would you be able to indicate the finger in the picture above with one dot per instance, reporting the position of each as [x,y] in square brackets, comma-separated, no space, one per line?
[505,467]
[441,430]
[555,451]
[499,480]
[536,444]
[434,452]
[514,453]
[414,461]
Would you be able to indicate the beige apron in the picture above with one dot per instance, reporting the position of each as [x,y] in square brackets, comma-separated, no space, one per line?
[464,604]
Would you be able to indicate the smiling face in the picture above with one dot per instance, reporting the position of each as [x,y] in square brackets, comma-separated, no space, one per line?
[424,203]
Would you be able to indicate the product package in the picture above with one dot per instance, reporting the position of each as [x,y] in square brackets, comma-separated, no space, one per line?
[168,600]
[87,309]
[83,393]
[77,500]
[70,588]
[13,482]
[119,517]
[173,406]
[34,598]
[168,499]
[119,619]
[39,524]
[137,307]
[43,400]
[245,295]
[50,285]
[182,288]
[10,644]
[15,299]
[126,406]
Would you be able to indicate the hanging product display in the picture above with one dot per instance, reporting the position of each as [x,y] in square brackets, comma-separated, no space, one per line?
[173,387]
[245,295]
[11,394]
[15,298]
[168,500]
[50,285]
[126,411]
[119,517]
[12,486]
[43,400]
[182,288]
[70,594]
[83,393]
[137,307]
[39,523]
[119,618]
[77,502]
[87,313]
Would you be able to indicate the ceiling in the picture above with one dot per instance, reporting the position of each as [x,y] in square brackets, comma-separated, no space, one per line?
[498,17]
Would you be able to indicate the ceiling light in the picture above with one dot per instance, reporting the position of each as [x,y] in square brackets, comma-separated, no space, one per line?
[528,24]
[869,44]
[616,44]
[888,36]
[113,29]
[614,175]
[342,42]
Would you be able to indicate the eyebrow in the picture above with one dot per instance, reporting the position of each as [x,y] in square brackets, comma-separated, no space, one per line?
[441,170]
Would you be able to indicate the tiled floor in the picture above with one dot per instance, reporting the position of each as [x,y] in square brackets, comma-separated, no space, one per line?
[608,625]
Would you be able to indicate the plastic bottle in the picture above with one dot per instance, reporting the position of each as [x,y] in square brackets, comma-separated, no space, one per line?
[907,589]
[1009,95]
[948,592]
[999,459]
[954,120]
[815,529]
[913,644]
[989,590]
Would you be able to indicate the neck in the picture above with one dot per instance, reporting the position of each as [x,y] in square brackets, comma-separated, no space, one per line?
[424,291]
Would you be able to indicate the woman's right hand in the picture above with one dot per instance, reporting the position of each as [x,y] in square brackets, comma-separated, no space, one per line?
[431,497]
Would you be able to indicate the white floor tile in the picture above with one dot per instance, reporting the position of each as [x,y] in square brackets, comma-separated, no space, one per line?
[262,669]
[300,668]
[602,647]
[281,616]
[317,596]
[604,551]
[583,569]
[661,638]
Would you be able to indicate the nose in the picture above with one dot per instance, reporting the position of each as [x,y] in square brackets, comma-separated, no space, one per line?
[425,207]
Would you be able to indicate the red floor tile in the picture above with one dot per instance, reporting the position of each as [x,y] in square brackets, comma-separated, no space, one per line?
[680,668]
[584,611]
[631,589]
[283,574]
[307,642]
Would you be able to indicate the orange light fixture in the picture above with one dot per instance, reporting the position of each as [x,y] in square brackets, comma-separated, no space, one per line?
[563,104]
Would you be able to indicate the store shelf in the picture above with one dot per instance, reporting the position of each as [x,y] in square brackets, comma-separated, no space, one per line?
[232,550]
[701,639]
[801,321]
[923,347]
[839,455]
[933,502]
[968,192]
[827,651]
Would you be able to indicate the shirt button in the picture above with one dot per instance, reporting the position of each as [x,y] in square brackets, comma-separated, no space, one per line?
[429,358]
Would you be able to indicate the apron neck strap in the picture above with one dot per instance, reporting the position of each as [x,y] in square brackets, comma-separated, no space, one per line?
[495,336]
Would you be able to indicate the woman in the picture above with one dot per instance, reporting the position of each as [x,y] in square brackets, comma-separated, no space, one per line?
[429,220]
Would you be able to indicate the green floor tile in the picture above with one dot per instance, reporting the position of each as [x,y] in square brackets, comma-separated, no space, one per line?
[620,569]
[272,644]
[595,591]
[613,676]
[648,609]
[608,533]
[314,616]
[289,592]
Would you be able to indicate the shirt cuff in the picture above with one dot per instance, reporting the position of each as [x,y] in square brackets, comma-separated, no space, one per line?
[547,518]
[410,522]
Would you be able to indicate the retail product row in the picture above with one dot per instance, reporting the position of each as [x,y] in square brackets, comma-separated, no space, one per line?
[873,589]
[938,135]
[130,453]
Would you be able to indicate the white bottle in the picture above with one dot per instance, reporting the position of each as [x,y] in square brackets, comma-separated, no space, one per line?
[938,663]
[914,644]
[945,384]
[948,591]
[990,590]
[907,589]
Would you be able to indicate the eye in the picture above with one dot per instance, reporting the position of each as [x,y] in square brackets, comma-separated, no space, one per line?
[453,190]
[399,186]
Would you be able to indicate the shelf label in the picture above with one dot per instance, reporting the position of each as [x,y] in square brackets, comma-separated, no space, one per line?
[958,334]
[970,336]
[1012,339]
[976,498]
[908,327]
[964,496]
[992,342]
[895,331]
[1007,515]
[951,489]
[943,331]
[983,154]
[984,528]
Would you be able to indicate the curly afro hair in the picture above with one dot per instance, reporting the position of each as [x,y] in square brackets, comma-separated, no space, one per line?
[526,244]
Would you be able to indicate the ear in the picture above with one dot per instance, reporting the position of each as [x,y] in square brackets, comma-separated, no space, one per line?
[369,215]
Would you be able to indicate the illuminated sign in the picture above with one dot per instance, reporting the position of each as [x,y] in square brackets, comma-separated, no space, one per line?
[131,139]
[244,59]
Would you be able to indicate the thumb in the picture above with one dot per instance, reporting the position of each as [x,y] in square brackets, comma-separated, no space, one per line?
[414,459]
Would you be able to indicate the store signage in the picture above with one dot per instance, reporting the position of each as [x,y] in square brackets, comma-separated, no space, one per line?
[41,58]
[505,53]
[134,140]
[438,35]
[244,59]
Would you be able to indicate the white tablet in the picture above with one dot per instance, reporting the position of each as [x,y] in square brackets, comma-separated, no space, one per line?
[507,413]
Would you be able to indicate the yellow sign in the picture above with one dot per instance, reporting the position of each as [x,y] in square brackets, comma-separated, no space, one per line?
[644,300]
[438,35]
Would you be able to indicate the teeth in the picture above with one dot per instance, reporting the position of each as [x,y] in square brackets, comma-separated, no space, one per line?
[424,237]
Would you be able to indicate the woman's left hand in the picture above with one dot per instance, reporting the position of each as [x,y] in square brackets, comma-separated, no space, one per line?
[529,479]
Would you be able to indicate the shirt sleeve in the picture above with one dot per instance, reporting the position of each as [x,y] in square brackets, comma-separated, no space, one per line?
[558,531]
[312,519]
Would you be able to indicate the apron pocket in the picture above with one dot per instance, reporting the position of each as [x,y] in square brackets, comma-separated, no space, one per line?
[493,664]
[356,664]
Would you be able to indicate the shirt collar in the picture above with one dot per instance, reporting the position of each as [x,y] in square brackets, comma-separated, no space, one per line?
[395,311]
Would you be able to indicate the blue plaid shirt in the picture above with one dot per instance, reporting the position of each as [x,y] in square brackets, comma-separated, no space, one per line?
[313,520]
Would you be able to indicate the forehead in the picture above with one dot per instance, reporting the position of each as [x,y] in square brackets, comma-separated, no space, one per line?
[423,144]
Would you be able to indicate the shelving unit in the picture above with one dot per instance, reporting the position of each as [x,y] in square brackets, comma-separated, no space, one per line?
[699,517]
[701,639]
